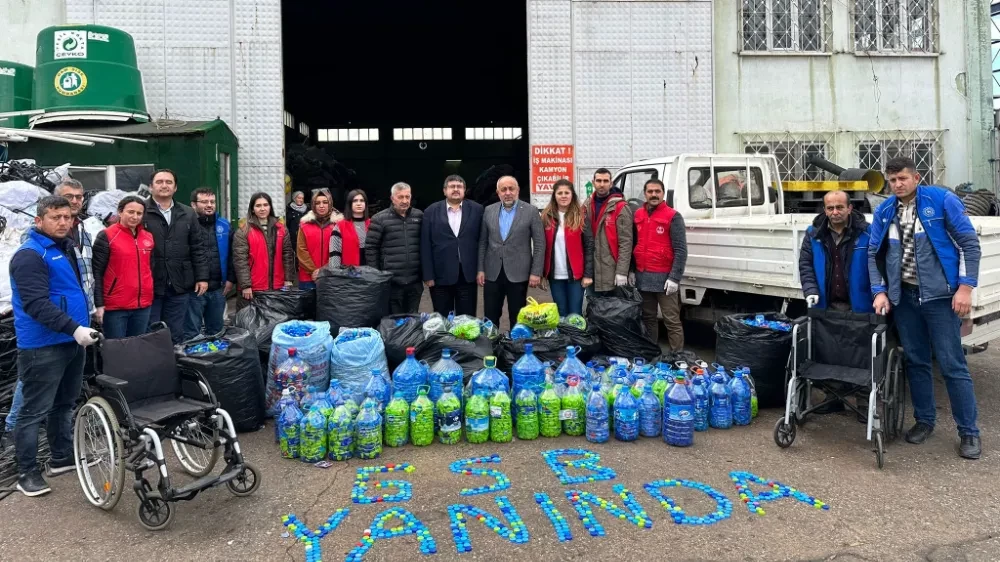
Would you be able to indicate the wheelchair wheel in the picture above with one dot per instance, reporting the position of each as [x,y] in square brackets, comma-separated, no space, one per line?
[196,460]
[246,482]
[155,514]
[99,453]
[784,433]
[879,450]
[893,396]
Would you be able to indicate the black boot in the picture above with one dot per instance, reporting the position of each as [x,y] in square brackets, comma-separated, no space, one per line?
[919,433]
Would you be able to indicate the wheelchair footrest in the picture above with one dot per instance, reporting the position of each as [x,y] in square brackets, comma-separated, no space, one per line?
[205,482]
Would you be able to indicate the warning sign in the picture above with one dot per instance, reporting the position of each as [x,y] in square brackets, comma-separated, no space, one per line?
[549,163]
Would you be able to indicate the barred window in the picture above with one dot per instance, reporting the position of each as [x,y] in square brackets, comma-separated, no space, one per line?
[907,26]
[923,148]
[785,25]
[792,156]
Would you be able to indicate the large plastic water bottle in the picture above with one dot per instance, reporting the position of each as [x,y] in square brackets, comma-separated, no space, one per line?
[526,414]
[322,400]
[444,371]
[477,418]
[574,408]
[640,372]
[409,376]
[489,379]
[598,428]
[678,415]
[379,389]
[286,399]
[335,393]
[293,374]
[308,398]
[720,406]
[699,392]
[422,420]
[739,391]
[449,412]
[650,412]
[660,376]
[570,367]
[288,430]
[626,415]
[528,372]
[549,406]
[340,433]
[753,392]
[501,423]
[397,421]
[312,435]
[368,431]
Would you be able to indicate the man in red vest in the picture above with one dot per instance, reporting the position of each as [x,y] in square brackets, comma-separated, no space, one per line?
[660,254]
[611,221]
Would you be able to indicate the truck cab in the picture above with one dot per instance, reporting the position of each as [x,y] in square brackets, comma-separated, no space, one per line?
[701,186]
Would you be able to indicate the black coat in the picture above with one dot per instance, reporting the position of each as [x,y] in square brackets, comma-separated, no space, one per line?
[215,280]
[292,218]
[441,250]
[393,244]
[180,256]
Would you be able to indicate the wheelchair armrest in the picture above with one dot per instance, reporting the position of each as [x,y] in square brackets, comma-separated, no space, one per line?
[193,364]
[800,320]
[881,329]
[107,381]
[193,383]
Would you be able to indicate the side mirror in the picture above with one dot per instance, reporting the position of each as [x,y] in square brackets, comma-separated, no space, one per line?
[670,198]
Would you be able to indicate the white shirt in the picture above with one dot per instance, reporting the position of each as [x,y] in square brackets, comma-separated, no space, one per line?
[559,268]
[454,217]
[168,212]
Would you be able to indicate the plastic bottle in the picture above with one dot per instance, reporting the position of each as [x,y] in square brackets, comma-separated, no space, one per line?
[449,412]
[640,372]
[660,381]
[501,425]
[620,384]
[753,392]
[340,433]
[409,376]
[422,420]
[445,371]
[739,392]
[288,430]
[598,429]
[397,421]
[570,367]
[678,415]
[650,412]
[322,400]
[477,418]
[720,407]
[526,416]
[293,374]
[368,431]
[549,405]
[489,379]
[312,436]
[335,393]
[379,389]
[626,415]
[573,411]
[286,399]
[308,398]
[528,372]
[699,394]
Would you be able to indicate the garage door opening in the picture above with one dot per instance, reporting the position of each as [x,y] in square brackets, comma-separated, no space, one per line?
[406,91]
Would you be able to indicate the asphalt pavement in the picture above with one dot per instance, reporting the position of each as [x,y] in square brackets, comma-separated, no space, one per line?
[926,504]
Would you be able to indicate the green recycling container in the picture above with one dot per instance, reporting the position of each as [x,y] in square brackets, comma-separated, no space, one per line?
[88,70]
[15,92]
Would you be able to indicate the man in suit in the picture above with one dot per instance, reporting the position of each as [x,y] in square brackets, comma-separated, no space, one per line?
[449,242]
[511,252]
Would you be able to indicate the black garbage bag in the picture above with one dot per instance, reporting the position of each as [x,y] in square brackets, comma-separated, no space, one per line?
[400,331]
[468,354]
[270,308]
[551,349]
[684,355]
[587,340]
[763,350]
[352,297]
[234,375]
[617,317]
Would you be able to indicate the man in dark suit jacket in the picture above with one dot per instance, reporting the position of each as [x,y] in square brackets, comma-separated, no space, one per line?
[449,242]
[511,252]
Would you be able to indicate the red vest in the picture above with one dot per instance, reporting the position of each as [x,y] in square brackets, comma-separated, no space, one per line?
[260,262]
[610,229]
[653,251]
[350,246]
[128,279]
[574,249]
[317,243]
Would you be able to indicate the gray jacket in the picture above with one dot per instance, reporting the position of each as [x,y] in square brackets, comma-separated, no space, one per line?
[522,254]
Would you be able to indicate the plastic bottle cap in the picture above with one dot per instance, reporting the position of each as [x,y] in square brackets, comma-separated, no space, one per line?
[291,351]
[411,350]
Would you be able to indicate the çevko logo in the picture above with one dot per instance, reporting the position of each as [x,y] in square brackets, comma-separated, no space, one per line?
[70,81]
[70,44]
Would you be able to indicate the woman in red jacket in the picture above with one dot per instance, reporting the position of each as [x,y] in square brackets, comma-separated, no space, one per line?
[123,272]
[262,251]
[569,248]
[347,245]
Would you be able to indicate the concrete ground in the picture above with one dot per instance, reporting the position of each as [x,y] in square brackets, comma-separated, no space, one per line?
[927,504]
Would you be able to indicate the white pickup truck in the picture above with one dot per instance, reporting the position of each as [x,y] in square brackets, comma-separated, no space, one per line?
[743,248]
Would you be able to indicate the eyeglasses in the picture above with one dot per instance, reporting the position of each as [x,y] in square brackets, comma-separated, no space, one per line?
[203,202]
[73,197]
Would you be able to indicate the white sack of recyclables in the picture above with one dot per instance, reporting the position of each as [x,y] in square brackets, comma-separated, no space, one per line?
[18,200]
[104,204]
[10,241]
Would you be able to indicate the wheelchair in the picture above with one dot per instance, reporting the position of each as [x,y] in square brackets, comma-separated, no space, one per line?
[845,354]
[143,397]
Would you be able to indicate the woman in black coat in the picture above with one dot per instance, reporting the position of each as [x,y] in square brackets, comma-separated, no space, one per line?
[296,209]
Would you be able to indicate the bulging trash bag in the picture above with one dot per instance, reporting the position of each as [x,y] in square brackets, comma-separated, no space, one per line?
[234,374]
[551,349]
[355,353]
[311,341]
[586,338]
[763,350]
[267,309]
[400,331]
[352,297]
[618,320]
[104,204]
[468,354]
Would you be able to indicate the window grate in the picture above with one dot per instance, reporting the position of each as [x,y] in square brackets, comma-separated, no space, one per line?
[926,149]
[785,25]
[903,26]
[792,151]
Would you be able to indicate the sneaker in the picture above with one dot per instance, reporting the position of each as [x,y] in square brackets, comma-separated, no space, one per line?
[33,484]
[55,468]
[919,433]
[971,447]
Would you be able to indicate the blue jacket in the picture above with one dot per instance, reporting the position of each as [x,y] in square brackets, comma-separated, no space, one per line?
[441,251]
[47,294]
[816,267]
[223,236]
[945,243]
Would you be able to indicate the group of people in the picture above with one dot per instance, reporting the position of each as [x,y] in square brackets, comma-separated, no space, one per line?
[919,258]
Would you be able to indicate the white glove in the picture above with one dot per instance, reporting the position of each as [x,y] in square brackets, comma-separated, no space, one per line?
[812,300]
[620,280]
[670,287]
[84,336]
